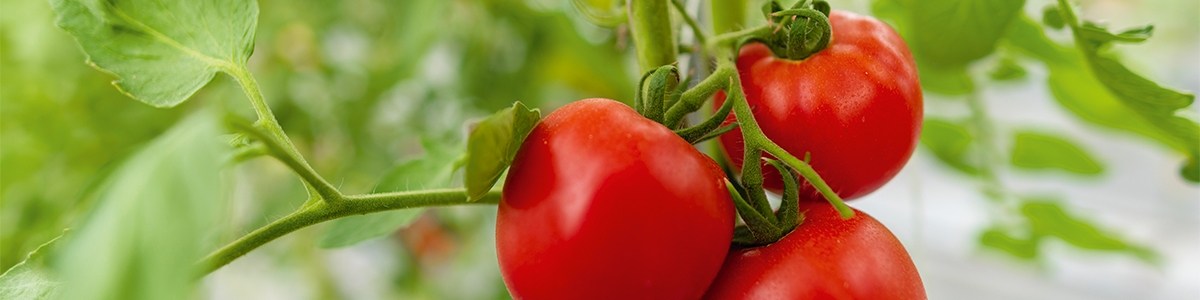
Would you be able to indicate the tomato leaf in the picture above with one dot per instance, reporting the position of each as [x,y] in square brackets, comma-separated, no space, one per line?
[492,145]
[1080,81]
[29,279]
[1019,247]
[1047,217]
[947,35]
[955,33]
[433,170]
[951,144]
[1042,151]
[161,52]
[153,216]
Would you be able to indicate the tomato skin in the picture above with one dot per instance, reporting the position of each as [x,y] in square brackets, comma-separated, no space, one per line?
[823,258]
[855,106]
[602,203]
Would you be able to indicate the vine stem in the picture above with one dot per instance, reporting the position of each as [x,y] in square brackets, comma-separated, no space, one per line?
[276,139]
[653,35]
[755,139]
[317,212]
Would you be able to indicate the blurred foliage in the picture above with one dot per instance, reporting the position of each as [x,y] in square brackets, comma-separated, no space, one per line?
[357,84]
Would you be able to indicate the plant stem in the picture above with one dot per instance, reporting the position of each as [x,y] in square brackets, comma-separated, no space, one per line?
[701,38]
[754,138]
[694,98]
[276,139]
[324,211]
[650,22]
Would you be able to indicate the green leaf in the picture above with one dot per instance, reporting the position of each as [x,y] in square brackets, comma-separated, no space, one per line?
[1076,84]
[161,51]
[951,144]
[433,170]
[493,144]
[951,33]
[149,228]
[1051,17]
[1047,217]
[1007,69]
[1020,247]
[1041,151]
[28,279]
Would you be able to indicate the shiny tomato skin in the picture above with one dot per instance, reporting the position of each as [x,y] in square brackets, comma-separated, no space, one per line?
[825,258]
[602,203]
[856,106]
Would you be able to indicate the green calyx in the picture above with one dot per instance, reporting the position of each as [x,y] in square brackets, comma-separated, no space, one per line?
[799,31]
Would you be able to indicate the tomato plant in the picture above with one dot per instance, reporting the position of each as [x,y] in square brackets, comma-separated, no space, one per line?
[385,106]
[602,203]
[824,258]
[854,108]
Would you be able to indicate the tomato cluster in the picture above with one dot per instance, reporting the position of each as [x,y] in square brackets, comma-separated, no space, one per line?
[603,203]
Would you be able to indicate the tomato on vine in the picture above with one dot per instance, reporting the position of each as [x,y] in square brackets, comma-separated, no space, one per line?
[823,258]
[854,108]
[603,203]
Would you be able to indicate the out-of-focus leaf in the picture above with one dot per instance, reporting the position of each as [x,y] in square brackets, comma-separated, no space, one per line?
[162,52]
[433,170]
[946,35]
[952,33]
[1155,103]
[27,279]
[493,144]
[1007,69]
[1051,17]
[1020,247]
[153,214]
[951,144]
[1047,217]
[1041,151]
[600,12]
[1075,83]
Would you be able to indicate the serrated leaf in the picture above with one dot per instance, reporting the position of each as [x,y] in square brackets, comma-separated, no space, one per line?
[951,33]
[951,144]
[1020,247]
[1047,217]
[433,170]
[493,144]
[28,279]
[161,52]
[148,231]
[1076,86]
[1042,151]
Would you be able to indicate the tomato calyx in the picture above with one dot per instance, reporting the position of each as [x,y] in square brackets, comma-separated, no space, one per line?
[762,225]
[798,32]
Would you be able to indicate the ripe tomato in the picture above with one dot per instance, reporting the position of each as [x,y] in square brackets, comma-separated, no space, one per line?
[602,203]
[823,258]
[855,106]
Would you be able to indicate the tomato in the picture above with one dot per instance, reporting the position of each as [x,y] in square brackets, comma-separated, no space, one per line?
[855,107]
[602,203]
[823,258]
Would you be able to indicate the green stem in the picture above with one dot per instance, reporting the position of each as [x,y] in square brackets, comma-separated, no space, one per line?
[694,98]
[276,139]
[731,38]
[701,38]
[324,211]
[728,15]
[650,22]
[754,138]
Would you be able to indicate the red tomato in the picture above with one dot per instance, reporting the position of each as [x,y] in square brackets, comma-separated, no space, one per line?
[824,258]
[602,203]
[855,106]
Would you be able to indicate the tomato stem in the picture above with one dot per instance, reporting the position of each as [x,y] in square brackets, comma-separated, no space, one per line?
[316,212]
[653,35]
[276,140]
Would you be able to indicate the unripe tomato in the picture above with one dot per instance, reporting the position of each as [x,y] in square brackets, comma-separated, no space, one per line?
[855,107]
[823,258]
[602,203]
